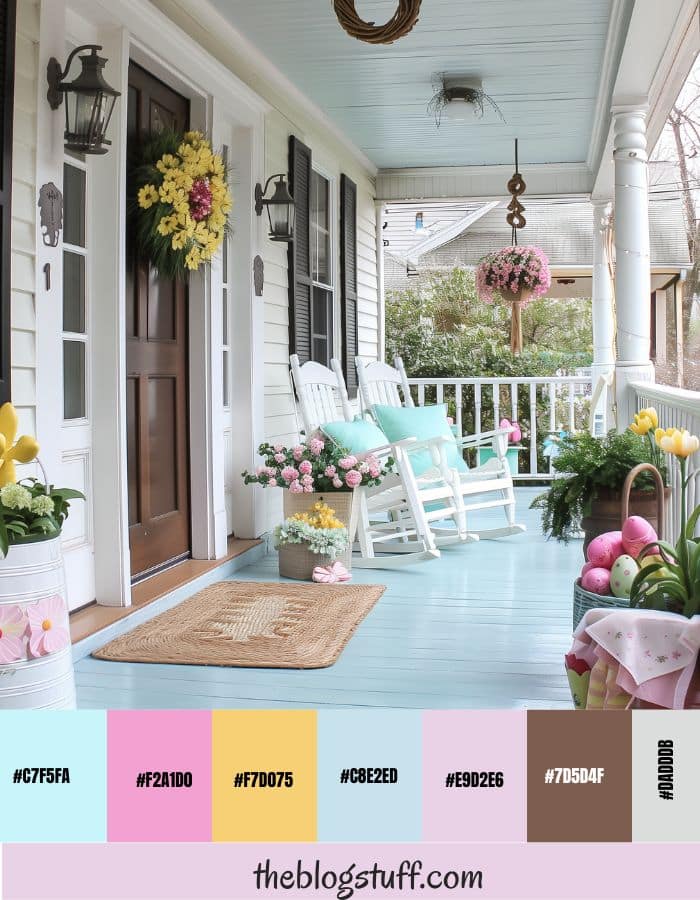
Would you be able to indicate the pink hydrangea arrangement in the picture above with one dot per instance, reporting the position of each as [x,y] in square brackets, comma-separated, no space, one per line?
[511,270]
[317,465]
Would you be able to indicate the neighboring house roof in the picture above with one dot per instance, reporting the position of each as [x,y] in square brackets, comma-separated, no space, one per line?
[440,220]
[460,233]
[564,230]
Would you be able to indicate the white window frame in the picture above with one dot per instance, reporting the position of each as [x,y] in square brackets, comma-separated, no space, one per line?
[332,253]
[226,286]
[83,338]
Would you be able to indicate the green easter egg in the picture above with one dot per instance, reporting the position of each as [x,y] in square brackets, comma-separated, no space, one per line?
[622,575]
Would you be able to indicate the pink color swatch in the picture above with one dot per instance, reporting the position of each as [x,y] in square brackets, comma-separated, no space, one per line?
[490,745]
[163,741]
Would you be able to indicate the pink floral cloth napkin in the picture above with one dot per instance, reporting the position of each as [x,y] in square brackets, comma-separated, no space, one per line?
[655,652]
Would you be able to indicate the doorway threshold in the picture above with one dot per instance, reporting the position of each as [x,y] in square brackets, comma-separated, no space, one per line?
[88,623]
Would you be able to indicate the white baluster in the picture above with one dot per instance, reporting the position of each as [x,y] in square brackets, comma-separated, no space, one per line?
[496,405]
[572,408]
[533,428]
[458,409]
[477,406]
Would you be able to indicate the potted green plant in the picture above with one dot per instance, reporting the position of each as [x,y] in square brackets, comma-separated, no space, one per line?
[35,651]
[586,494]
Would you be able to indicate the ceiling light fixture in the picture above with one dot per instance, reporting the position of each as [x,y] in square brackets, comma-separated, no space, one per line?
[460,98]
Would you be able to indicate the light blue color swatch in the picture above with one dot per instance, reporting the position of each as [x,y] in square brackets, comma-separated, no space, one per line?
[53,739]
[375,739]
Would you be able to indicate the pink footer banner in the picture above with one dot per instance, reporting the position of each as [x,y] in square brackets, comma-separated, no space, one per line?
[347,871]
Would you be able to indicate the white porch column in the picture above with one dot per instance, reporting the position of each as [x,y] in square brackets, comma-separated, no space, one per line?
[632,261]
[603,317]
[380,209]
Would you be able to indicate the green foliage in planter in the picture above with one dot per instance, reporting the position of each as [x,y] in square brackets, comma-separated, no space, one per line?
[587,465]
[32,511]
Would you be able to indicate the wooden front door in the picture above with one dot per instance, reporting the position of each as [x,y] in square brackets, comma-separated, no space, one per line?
[156,357]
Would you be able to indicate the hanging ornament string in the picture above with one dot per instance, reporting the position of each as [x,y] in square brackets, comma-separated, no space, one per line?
[516,187]
[398,25]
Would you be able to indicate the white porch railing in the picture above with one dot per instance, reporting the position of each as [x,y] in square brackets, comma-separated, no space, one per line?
[676,408]
[542,406]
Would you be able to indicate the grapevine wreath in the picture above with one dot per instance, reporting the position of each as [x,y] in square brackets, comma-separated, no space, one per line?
[180,202]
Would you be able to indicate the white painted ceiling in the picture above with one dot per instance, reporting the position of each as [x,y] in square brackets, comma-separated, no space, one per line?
[539,59]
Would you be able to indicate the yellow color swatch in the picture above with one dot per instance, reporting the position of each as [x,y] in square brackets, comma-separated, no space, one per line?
[264,775]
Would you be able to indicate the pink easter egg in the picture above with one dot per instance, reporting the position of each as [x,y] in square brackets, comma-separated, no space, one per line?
[604,549]
[586,568]
[596,580]
[636,534]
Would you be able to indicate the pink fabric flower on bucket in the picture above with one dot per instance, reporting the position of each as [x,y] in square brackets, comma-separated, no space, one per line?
[47,631]
[13,626]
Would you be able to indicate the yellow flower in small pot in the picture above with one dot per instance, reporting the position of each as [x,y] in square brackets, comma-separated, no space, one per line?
[23,451]
[677,441]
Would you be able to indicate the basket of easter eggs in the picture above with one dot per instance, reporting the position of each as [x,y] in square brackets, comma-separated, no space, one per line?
[611,558]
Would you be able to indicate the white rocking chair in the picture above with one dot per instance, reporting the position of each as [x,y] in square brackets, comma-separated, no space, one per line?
[391,526]
[482,487]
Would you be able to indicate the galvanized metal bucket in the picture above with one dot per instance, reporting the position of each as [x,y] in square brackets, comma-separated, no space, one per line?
[32,572]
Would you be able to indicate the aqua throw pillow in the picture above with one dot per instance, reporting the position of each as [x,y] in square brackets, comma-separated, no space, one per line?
[422,423]
[359,436]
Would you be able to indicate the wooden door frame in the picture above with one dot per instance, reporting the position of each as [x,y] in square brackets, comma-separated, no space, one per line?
[224,94]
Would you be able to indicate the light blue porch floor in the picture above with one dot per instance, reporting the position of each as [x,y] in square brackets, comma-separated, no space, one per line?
[485,626]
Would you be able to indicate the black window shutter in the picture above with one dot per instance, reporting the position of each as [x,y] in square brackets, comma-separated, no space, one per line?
[348,279]
[300,251]
[8,9]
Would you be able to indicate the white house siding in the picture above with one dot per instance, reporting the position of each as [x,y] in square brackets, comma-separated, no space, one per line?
[24,209]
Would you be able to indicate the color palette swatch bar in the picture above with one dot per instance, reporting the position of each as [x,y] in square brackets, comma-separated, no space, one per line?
[349,776]
[264,775]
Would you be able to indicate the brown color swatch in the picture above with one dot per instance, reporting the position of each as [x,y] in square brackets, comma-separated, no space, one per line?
[247,623]
[586,740]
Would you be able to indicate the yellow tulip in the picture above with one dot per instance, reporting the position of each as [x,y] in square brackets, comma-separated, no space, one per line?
[677,441]
[650,413]
[642,424]
[24,451]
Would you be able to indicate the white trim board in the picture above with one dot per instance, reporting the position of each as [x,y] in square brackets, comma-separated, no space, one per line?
[482,182]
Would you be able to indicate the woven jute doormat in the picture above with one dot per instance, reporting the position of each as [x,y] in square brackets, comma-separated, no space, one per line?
[242,623]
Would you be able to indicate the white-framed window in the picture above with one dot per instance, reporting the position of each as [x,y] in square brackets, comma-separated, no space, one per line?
[75,327]
[322,269]
[225,311]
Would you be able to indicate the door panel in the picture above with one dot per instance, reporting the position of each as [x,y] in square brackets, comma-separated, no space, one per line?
[157,337]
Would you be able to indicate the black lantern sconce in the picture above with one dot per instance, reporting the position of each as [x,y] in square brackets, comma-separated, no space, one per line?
[280,209]
[89,100]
